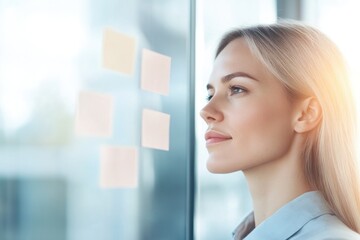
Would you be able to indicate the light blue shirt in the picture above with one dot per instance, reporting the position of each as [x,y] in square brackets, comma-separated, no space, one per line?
[307,217]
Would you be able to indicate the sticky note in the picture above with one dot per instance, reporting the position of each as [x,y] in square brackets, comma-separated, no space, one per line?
[155,129]
[94,115]
[118,167]
[119,52]
[155,72]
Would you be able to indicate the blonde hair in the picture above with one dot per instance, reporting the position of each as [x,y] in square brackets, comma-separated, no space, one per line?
[310,65]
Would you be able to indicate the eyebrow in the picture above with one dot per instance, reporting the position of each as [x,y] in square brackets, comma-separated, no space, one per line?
[230,76]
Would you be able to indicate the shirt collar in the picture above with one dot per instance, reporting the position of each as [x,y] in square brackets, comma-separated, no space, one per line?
[286,221]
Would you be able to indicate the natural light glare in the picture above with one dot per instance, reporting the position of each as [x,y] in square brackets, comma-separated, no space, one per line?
[335,22]
[40,47]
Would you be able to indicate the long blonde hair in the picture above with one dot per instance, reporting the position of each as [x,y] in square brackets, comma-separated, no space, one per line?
[309,64]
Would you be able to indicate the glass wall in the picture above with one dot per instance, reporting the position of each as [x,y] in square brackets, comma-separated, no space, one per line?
[49,176]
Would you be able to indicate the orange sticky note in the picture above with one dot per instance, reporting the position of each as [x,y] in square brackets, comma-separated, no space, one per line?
[155,72]
[119,52]
[155,129]
[94,115]
[118,167]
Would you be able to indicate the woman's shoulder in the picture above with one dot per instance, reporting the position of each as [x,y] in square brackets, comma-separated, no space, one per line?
[326,227]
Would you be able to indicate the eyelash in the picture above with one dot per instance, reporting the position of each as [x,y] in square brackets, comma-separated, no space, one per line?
[233,90]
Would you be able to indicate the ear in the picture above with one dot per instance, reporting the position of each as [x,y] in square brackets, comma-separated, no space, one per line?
[308,115]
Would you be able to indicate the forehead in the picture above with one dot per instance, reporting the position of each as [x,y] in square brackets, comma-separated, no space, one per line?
[237,57]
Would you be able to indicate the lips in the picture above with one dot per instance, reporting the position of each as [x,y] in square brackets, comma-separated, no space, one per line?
[212,137]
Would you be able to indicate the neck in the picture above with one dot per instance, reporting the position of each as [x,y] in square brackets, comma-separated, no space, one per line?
[276,183]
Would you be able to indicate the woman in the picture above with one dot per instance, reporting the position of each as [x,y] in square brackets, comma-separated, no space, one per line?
[280,110]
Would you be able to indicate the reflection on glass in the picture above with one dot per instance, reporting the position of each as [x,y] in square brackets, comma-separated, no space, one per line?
[52,50]
[26,202]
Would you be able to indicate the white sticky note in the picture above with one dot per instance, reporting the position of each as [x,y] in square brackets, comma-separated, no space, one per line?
[119,52]
[118,167]
[155,129]
[94,115]
[155,72]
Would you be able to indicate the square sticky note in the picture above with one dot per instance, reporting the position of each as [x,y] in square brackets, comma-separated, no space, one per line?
[155,72]
[155,129]
[94,115]
[119,52]
[118,167]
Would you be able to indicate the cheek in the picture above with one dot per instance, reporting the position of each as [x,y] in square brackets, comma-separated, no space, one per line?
[257,116]
[262,131]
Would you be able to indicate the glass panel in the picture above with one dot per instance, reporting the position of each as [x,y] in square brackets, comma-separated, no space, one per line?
[49,177]
[30,201]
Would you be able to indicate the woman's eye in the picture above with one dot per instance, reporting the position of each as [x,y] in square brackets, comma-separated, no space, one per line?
[236,90]
[208,97]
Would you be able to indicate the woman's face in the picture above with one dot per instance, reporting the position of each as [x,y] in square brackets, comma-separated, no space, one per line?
[249,114]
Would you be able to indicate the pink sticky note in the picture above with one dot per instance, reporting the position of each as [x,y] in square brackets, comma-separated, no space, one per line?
[155,129]
[94,116]
[155,72]
[119,52]
[118,167]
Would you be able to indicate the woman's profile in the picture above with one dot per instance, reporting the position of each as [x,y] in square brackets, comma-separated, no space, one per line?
[280,110]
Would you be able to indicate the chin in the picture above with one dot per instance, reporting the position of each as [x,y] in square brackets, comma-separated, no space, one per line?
[219,167]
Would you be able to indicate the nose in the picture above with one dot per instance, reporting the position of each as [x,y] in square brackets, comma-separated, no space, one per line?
[211,114]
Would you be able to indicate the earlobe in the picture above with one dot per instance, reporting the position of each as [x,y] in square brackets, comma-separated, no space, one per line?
[308,116]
